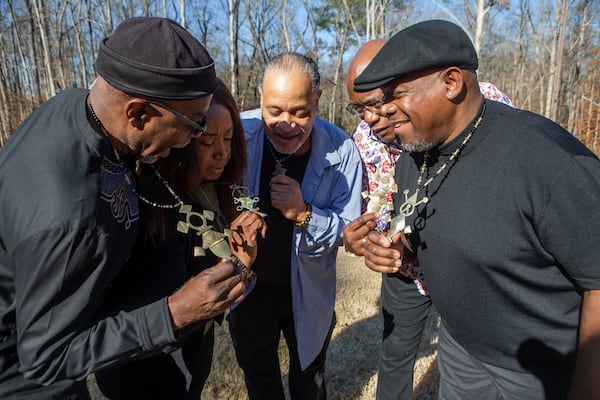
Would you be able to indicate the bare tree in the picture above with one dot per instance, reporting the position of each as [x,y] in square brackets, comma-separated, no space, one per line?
[556,58]
[544,55]
[284,29]
[482,8]
[4,115]
[375,18]
[261,17]
[574,76]
[234,29]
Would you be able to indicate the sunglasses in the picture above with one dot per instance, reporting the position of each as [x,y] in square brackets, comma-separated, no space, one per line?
[198,128]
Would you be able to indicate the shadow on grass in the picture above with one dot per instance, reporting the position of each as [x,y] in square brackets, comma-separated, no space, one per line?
[354,355]
[352,359]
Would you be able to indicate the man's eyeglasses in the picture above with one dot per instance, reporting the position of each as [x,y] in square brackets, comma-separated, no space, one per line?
[374,106]
[198,128]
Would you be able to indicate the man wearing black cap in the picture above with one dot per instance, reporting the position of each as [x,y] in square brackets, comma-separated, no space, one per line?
[69,211]
[485,201]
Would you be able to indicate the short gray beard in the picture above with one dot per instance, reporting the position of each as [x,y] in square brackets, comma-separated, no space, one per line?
[417,147]
[291,152]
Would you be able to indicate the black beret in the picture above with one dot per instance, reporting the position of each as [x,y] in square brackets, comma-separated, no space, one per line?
[156,57]
[425,45]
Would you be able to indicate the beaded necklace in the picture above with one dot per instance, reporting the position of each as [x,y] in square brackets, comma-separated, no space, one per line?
[124,169]
[178,202]
[408,207]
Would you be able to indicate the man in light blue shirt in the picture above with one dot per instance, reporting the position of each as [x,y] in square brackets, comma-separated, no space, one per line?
[307,174]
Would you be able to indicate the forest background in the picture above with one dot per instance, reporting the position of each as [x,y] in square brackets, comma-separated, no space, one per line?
[544,54]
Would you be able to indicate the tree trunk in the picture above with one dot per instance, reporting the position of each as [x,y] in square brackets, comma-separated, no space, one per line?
[234,10]
[350,18]
[341,37]
[574,83]
[375,15]
[480,13]
[556,59]
[286,37]
[50,89]
[28,73]
[5,123]
[81,51]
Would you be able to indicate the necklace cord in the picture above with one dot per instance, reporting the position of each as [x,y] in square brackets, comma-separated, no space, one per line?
[411,202]
[124,170]
[279,169]
[453,156]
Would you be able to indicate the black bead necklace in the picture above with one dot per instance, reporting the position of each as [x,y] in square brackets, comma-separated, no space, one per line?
[178,202]
[125,171]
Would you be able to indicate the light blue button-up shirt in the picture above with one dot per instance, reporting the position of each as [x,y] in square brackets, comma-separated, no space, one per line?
[332,185]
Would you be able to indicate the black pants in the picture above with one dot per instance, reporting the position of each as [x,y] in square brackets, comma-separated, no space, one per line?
[177,375]
[405,312]
[255,326]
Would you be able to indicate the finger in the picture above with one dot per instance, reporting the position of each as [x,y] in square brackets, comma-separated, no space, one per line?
[245,218]
[354,245]
[361,231]
[381,259]
[364,219]
[239,220]
[378,244]
[220,272]
[398,238]
[229,287]
[381,252]
[280,190]
[379,238]
[230,295]
[380,265]
[255,225]
[253,221]
[251,216]
[263,230]
[353,240]
[361,226]
[282,180]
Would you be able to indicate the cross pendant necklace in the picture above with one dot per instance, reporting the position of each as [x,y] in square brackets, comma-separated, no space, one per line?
[408,207]
[398,223]
[279,168]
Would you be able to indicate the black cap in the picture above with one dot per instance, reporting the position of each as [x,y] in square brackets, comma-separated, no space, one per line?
[156,57]
[425,45]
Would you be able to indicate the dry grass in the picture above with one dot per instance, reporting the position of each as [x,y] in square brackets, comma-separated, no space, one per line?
[351,370]
[353,353]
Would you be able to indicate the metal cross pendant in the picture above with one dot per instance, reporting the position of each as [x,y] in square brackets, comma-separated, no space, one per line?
[245,200]
[398,223]
[279,169]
